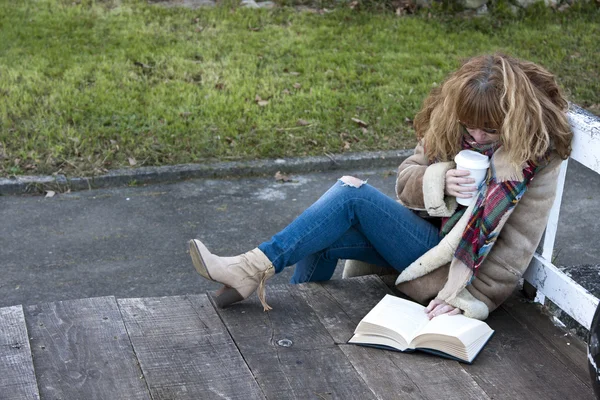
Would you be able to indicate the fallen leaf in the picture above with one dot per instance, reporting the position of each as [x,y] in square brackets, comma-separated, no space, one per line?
[132,161]
[346,146]
[297,85]
[50,193]
[302,122]
[364,130]
[294,73]
[263,103]
[353,5]
[285,91]
[279,177]
[359,122]
[141,64]
[257,98]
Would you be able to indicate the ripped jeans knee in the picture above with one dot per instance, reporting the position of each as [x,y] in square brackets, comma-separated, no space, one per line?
[352,181]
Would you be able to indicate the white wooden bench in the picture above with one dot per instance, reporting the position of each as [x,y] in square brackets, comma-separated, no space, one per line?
[547,279]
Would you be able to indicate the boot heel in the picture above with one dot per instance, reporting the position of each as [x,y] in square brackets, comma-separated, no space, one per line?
[227,296]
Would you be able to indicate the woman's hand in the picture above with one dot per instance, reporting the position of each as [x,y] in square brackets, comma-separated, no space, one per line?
[438,307]
[456,177]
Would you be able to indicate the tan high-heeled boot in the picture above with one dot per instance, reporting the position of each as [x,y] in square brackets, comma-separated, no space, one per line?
[241,275]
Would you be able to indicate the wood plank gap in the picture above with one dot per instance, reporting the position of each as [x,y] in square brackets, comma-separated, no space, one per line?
[514,364]
[289,351]
[216,308]
[341,304]
[81,350]
[185,350]
[17,375]
[137,360]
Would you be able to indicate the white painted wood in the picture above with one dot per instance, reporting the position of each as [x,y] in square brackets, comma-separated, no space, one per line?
[552,225]
[549,281]
[562,290]
[586,140]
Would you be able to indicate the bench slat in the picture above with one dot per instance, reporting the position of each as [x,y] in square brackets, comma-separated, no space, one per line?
[571,351]
[515,364]
[313,367]
[81,351]
[341,304]
[185,351]
[17,378]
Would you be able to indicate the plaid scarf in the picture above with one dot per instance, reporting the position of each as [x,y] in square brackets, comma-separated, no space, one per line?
[494,200]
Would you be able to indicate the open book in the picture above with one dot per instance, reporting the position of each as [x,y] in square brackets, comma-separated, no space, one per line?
[398,324]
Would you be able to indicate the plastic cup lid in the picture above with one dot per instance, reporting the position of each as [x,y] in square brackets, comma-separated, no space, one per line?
[472,159]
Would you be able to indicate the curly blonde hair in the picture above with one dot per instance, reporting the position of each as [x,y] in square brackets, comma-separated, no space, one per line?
[519,98]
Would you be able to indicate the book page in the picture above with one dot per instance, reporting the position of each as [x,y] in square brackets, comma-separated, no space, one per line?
[465,330]
[393,313]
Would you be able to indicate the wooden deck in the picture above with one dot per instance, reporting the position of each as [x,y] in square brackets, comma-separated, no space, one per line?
[184,348]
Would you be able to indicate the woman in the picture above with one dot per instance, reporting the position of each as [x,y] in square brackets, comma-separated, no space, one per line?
[467,259]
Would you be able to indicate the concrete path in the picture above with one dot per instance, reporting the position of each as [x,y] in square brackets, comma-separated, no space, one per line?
[131,242]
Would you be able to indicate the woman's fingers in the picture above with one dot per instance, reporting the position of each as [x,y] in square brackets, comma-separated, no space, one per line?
[432,304]
[440,308]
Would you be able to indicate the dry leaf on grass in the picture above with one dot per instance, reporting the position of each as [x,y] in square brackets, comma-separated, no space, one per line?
[132,161]
[360,122]
[260,101]
[302,122]
[279,177]
[297,85]
[50,193]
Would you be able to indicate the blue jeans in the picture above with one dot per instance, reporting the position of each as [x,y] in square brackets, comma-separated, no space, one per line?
[350,223]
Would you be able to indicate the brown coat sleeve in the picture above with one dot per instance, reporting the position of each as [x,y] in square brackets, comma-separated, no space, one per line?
[409,183]
[499,274]
[420,185]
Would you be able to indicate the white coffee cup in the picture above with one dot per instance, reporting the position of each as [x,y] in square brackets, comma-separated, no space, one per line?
[477,164]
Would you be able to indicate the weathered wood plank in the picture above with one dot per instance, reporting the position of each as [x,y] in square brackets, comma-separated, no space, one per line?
[312,367]
[81,351]
[17,378]
[570,296]
[516,365]
[567,348]
[185,351]
[586,137]
[341,304]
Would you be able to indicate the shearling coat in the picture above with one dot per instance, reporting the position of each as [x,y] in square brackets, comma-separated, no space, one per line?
[420,186]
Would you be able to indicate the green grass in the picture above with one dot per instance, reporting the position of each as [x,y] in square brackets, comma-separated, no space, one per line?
[85,87]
